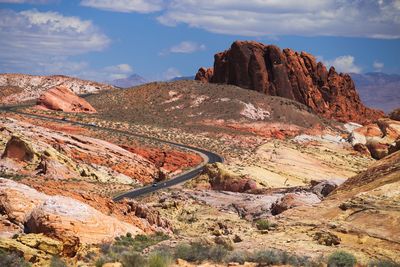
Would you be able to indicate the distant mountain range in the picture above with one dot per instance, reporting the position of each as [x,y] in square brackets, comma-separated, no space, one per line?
[131,81]
[184,78]
[378,90]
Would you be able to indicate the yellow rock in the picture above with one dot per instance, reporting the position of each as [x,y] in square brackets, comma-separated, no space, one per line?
[112,264]
[41,242]
[35,256]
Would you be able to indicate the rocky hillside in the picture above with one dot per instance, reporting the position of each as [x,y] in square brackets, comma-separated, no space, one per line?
[193,104]
[286,73]
[17,88]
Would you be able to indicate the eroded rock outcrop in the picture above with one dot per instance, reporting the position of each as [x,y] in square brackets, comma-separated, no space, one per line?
[62,218]
[379,139]
[289,74]
[220,178]
[292,200]
[63,99]
[395,114]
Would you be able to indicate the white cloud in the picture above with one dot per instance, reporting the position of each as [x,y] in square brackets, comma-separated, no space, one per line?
[369,18]
[352,18]
[120,69]
[171,73]
[378,66]
[42,42]
[140,6]
[344,64]
[185,47]
[26,1]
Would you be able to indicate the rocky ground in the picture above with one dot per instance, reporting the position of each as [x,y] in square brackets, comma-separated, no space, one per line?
[291,182]
[16,88]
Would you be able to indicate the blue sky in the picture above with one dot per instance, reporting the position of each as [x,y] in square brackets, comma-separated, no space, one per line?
[160,39]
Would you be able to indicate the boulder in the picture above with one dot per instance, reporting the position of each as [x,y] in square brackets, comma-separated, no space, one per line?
[324,188]
[380,138]
[220,178]
[292,200]
[61,218]
[19,149]
[395,115]
[61,98]
[204,74]
[286,73]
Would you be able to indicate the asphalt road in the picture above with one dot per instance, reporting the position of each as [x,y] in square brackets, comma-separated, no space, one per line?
[208,156]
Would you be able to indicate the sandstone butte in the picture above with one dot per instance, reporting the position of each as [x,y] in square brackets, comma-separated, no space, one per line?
[286,73]
[63,99]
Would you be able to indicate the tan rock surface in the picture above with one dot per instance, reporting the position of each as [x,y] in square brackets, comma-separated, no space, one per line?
[29,87]
[61,98]
[58,217]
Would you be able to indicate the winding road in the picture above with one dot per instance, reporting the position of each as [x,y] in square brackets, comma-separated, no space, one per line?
[208,156]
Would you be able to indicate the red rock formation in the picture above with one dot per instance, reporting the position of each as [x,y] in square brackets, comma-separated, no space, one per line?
[289,74]
[204,75]
[62,99]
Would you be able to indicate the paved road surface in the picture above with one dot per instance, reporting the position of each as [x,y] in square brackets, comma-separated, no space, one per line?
[208,156]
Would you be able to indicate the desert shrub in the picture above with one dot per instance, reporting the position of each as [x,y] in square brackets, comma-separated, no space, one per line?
[264,224]
[198,252]
[277,257]
[12,259]
[57,262]
[160,259]
[341,259]
[217,253]
[132,259]
[139,242]
[383,263]
[237,256]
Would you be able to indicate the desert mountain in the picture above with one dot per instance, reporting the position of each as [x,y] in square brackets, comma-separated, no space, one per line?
[197,105]
[289,74]
[378,90]
[132,80]
[16,88]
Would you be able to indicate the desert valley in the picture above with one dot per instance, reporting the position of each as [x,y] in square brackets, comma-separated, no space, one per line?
[270,156]
[308,169]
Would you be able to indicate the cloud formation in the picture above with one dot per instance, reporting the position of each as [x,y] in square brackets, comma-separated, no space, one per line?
[171,73]
[352,18]
[185,47]
[345,64]
[26,1]
[126,6]
[42,42]
[378,66]
[368,18]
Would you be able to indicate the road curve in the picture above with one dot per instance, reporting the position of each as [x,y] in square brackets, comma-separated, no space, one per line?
[208,156]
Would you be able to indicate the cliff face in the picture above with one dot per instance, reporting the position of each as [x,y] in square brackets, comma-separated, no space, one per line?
[289,74]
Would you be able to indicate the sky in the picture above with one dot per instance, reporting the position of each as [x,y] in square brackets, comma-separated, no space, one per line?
[104,40]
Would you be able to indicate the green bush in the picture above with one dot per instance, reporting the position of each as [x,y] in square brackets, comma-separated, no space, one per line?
[383,263]
[159,259]
[198,252]
[277,257]
[264,224]
[237,256]
[132,259]
[57,262]
[139,242]
[12,259]
[341,259]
